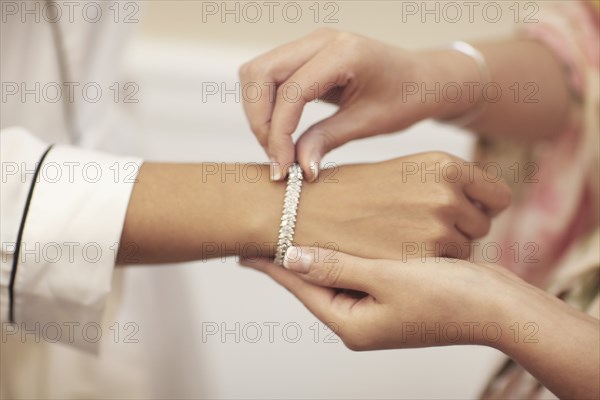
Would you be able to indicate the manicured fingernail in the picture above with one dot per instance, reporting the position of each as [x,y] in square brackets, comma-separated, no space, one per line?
[275,171]
[297,260]
[314,168]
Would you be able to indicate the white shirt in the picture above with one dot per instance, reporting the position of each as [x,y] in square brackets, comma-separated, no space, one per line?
[59,285]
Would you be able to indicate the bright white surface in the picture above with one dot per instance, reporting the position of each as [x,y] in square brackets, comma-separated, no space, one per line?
[177,126]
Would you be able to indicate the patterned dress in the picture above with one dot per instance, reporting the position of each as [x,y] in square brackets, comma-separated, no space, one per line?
[554,220]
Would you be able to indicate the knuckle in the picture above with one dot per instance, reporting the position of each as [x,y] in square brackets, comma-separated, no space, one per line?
[328,140]
[443,234]
[485,226]
[441,157]
[325,31]
[456,247]
[269,67]
[503,194]
[348,39]
[262,137]
[262,66]
[445,198]
[261,131]
[465,252]
[281,149]
[345,36]
[244,70]
[451,250]
[330,273]
[357,340]
[303,149]
[352,345]
[353,47]
[280,93]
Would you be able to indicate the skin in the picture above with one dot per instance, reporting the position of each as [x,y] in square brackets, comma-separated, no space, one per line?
[398,297]
[370,82]
[182,212]
[367,80]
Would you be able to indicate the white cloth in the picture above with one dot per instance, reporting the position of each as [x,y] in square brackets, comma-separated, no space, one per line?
[70,233]
[85,207]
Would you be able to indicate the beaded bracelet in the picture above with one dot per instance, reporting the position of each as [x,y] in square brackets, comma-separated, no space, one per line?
[290,209]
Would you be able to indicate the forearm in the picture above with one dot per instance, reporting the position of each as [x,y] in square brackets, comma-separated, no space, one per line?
[533,100]
[183,212]
[564,354]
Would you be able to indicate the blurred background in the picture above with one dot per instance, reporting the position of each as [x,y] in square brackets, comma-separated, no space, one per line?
[244,336]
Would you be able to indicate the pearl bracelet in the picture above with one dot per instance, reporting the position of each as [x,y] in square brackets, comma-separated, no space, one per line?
[290,209]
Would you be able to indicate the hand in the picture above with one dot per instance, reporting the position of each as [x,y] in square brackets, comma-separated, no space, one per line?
[393,209]
[386,304]
[369,80]
[399,208]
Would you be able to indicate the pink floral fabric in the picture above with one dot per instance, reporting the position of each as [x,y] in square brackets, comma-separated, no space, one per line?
[550,236]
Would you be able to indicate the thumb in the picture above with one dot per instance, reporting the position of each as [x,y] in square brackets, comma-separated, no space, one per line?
[330,268]
[326,135]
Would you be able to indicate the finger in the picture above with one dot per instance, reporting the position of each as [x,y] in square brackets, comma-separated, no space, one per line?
[493,196]
[260,77]
[345,125]
[330,268]
[257,104]
[311,81]
[316,298]
[459,246]
[473,222]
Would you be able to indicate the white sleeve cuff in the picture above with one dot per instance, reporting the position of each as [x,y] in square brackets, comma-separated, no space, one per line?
[69,238]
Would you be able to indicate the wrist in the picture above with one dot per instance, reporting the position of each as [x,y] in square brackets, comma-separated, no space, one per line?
[457,82]
[263,208]
[495,307]
[525,314]
[260,213]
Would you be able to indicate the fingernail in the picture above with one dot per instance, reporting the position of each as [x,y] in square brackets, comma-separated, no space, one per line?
[275,171]
[314,168]
[297,260]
